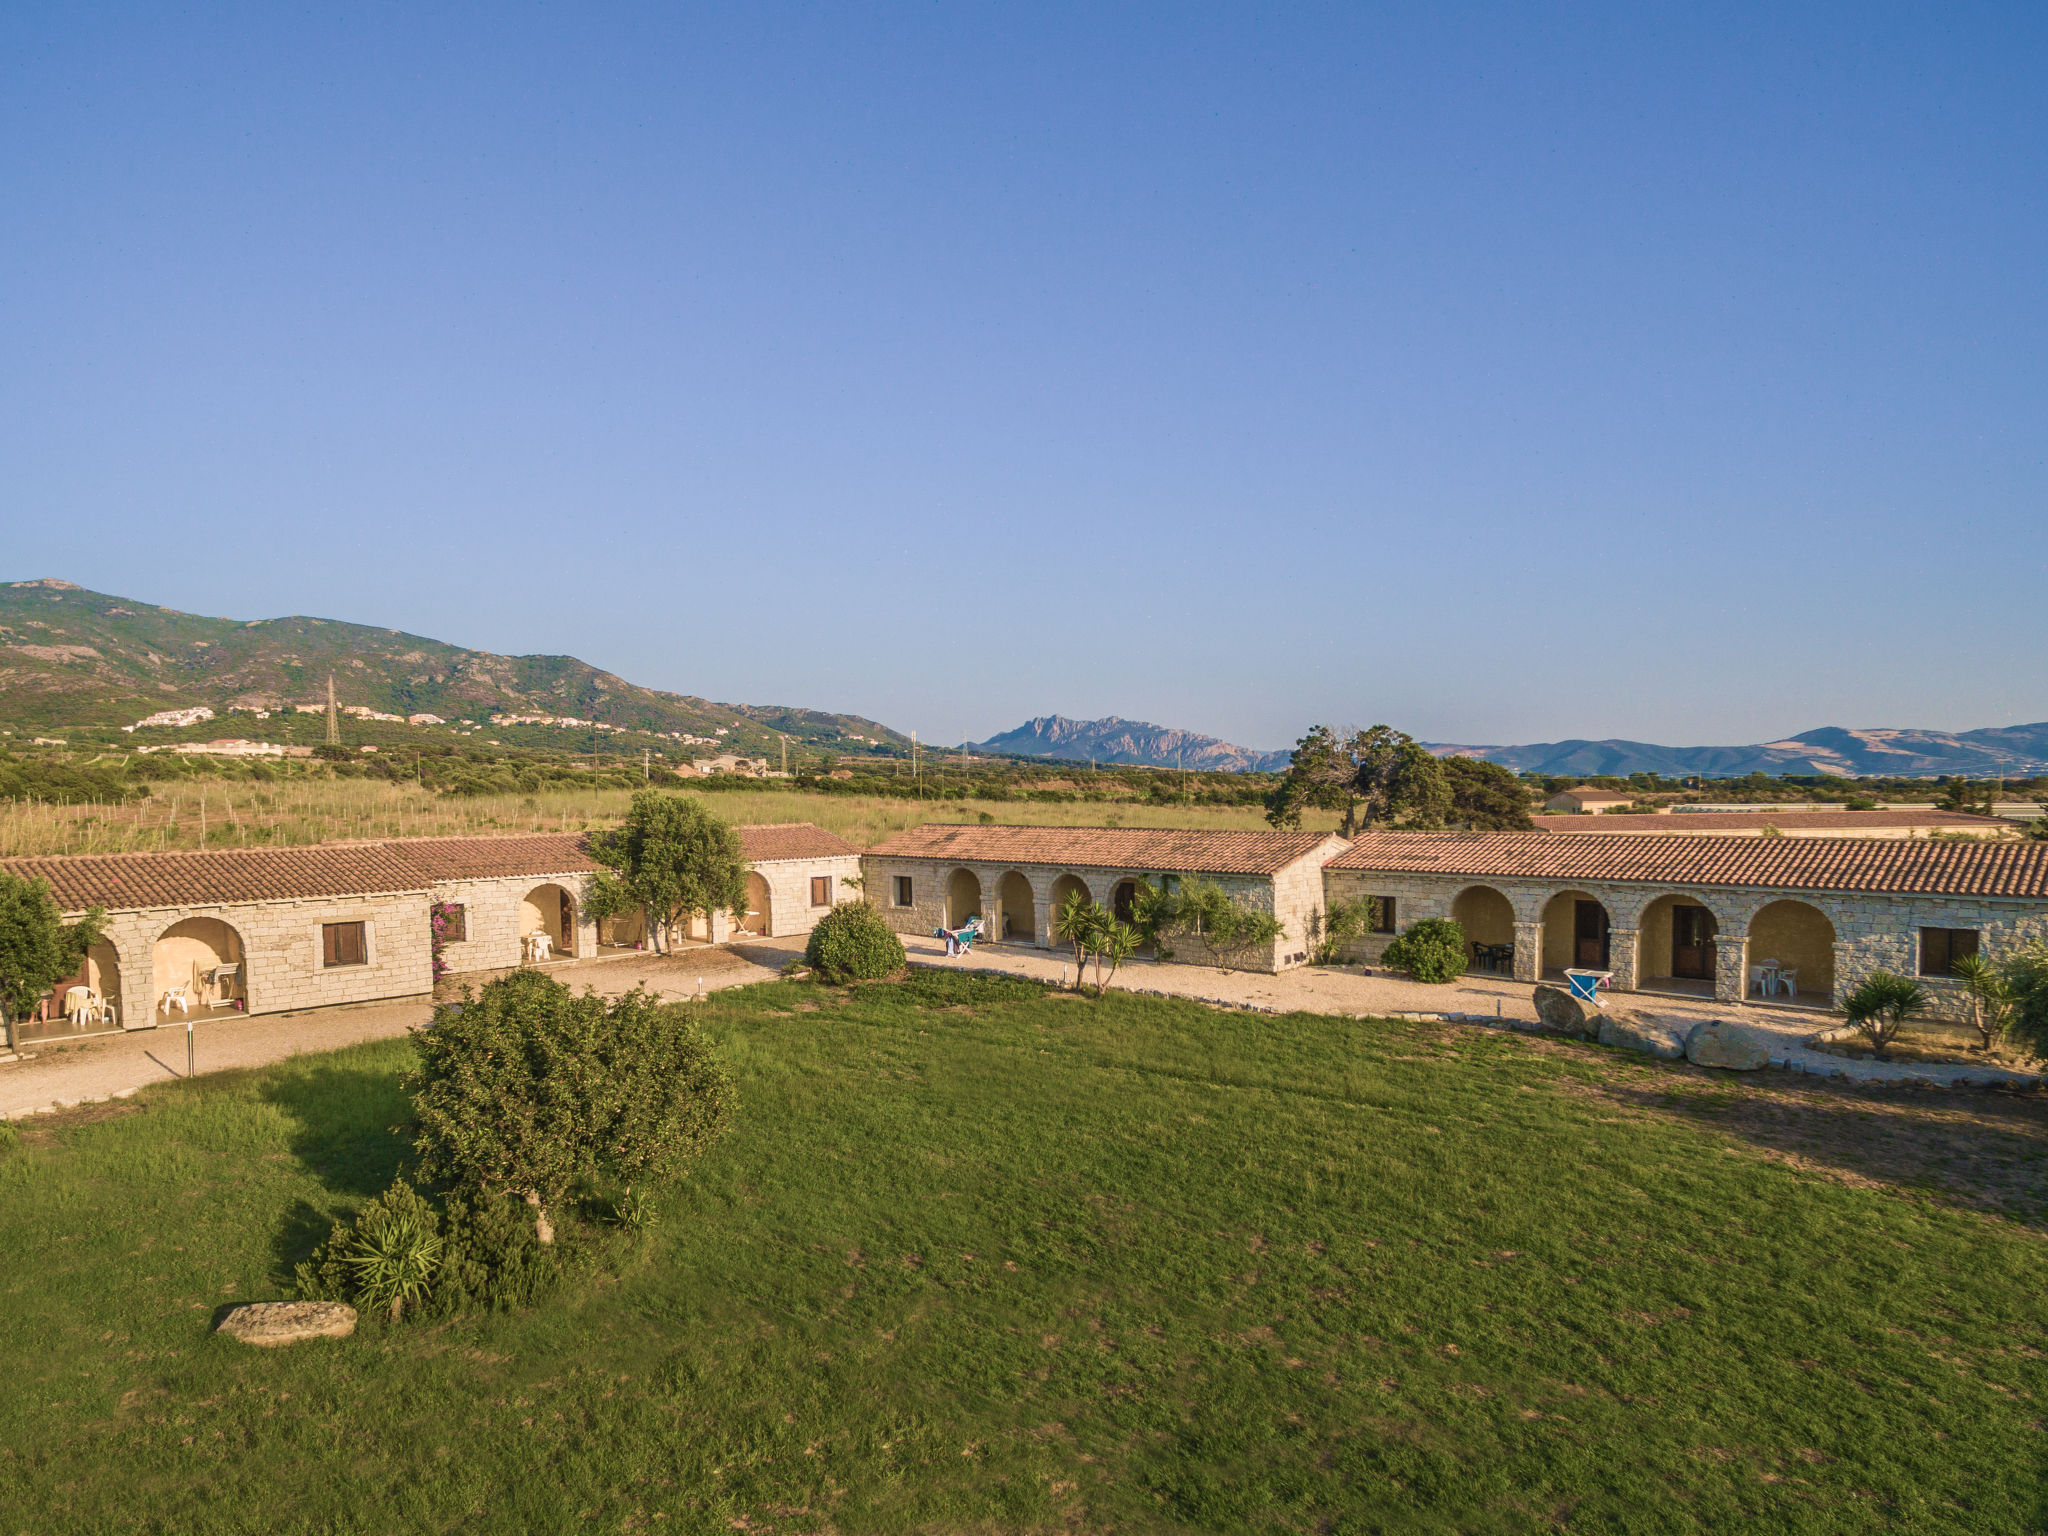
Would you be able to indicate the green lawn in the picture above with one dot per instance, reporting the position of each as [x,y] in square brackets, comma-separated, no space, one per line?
[981,1258]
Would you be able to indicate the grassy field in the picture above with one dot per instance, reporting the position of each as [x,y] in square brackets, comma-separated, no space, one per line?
[982,1258]
[226,814]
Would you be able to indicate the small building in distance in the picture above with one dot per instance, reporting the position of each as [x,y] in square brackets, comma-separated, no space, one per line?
[1689,822]
[937,876]
[1584,799]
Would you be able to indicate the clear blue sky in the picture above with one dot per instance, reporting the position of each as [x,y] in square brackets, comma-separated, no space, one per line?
[1506,373]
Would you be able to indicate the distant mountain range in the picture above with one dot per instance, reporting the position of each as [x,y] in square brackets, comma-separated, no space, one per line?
[2016,751]
[1133,743]
[70,658]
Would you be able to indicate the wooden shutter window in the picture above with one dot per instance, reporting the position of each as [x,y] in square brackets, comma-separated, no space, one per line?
[821,890]
[342,944]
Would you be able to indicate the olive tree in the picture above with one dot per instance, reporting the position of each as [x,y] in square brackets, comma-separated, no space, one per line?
[527,1088]
[38,948]
[1370,777]
[672,860]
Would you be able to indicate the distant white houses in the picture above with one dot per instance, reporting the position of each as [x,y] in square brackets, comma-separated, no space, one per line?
[171,719]
[227,746]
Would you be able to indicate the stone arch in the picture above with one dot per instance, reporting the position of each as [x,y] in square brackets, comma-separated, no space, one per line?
[759,917]
[1019,907]
[1797,935]
[103,972]
[549,909]
[963,896]
[1064,886]
[203,960]
[1576,925]
[1486,915]
[625,930]
[1669,946]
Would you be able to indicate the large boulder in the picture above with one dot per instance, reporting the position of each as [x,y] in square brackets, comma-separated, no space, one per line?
[268,1324]
[1634,1032]
[1722,1043]
[1559,1013]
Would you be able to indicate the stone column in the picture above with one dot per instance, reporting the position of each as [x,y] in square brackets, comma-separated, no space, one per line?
[1529,951]
[720,927]
[1624,957]
[1731,967]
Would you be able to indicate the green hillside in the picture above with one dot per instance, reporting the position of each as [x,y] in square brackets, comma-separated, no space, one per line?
[83,661]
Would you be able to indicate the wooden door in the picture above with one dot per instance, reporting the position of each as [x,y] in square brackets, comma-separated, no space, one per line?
[1692,943]
[1590,926]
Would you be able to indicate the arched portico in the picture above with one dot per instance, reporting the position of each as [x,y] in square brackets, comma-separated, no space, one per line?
[1019,917]
[1488,919]
[1678,947]
[198,967]
[1791,957]
[759,918]
[548,911]
[963,897]
[627,930]
[1066,885]
[1576,929]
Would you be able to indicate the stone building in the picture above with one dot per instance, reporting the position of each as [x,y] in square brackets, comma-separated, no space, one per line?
[271,930]
[1584,798]
[1016,877]
[1704,915]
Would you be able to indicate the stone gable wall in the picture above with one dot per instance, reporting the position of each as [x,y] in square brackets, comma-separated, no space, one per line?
[789,890]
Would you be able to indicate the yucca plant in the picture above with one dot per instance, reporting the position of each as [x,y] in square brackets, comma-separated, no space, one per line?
[1990,997]
[394,1251]
[1880,1006]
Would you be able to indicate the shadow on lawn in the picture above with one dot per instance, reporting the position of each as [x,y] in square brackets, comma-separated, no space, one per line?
[350,1125]
[1975,1148]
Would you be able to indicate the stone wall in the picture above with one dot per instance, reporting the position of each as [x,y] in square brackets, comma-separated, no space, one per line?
[1870,931]
[498,922]
[281,953]
[789,890]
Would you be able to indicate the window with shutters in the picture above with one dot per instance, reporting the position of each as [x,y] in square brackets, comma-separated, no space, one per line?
[1383,914]
[1941,948]
[343,944]
[903,895]
[821,890]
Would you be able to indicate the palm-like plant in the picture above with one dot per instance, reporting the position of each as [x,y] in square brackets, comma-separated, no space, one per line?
[1990,996]
[1116,943]
[1079,921]
[394,1251]
[1880,1006]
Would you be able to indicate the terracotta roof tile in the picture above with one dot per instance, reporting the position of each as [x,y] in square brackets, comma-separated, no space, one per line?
[1161,848]
[500,857]
[237,876]
[1848,823]
[793,840]
[1915,866]
[222,876]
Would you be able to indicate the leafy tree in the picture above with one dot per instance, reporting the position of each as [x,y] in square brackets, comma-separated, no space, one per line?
[38,948]
[1880,1005]
[1201,909]
[853,942]
[1432,950]
[672,860]
[1485,797]
[1370,777]
[1990,997]
[527,1088]
[1343,922]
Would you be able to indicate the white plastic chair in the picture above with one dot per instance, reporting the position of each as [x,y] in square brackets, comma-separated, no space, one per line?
[1788,982]
[1759,980]
[79,1000]
[180,997]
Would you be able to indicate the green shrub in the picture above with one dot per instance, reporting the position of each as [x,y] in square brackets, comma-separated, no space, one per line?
[1880,1006]
[10,1138]
[853,943]
[1432,950]
[492,1261]
[386,1258]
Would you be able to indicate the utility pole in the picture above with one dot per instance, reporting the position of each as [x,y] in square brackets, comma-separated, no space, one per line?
[333,715]
[785,756]
[646,765]
[916,772]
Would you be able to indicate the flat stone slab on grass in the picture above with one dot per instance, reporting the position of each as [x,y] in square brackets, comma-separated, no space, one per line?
[268,1324]
[1736,1047]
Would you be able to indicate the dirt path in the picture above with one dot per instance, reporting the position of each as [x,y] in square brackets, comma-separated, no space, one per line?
[56,1075]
